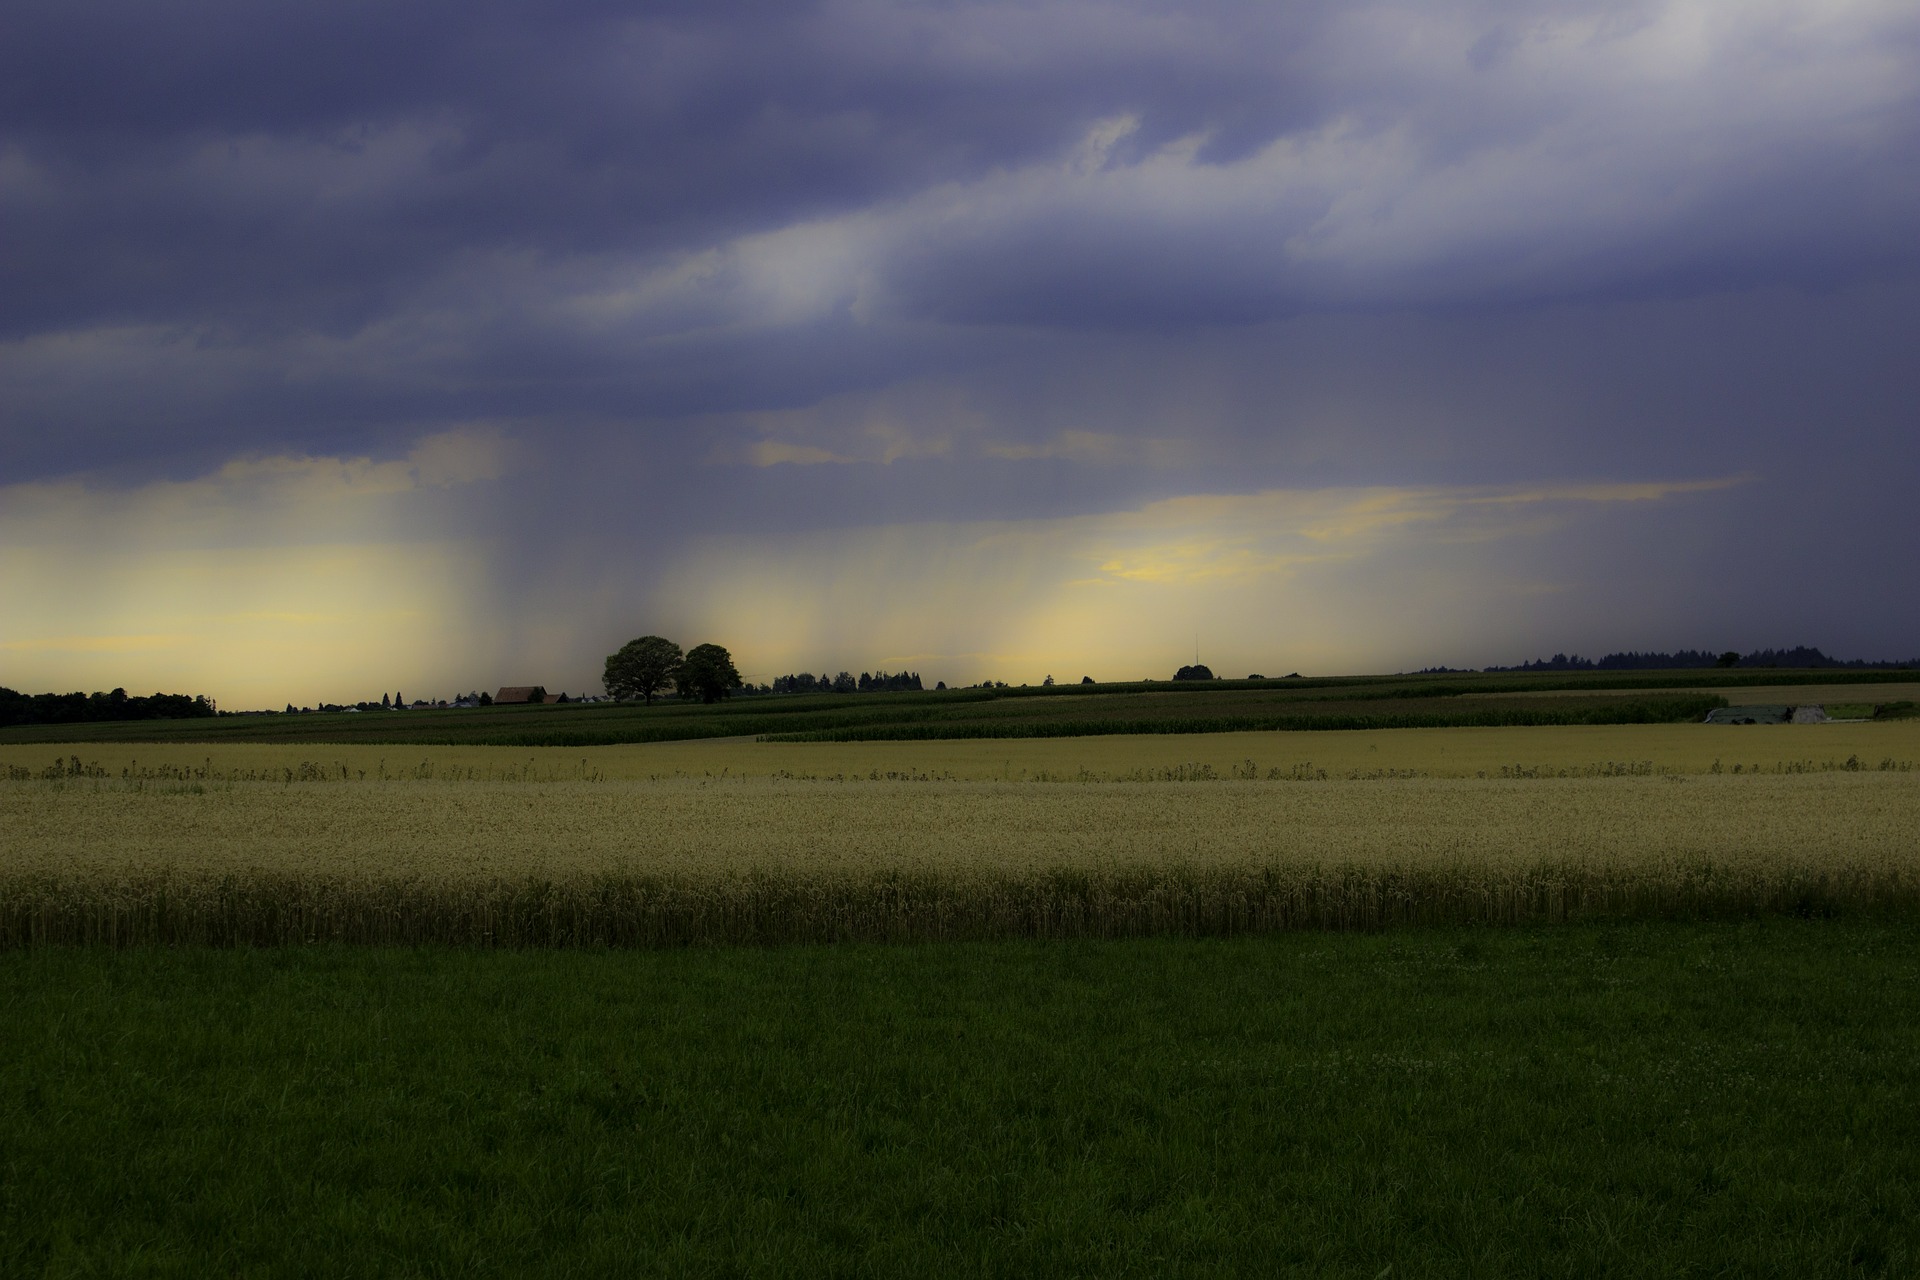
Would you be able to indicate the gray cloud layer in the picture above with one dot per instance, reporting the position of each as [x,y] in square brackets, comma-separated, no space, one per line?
[999,261]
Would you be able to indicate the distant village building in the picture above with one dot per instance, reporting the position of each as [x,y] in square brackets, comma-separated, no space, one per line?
[521,693]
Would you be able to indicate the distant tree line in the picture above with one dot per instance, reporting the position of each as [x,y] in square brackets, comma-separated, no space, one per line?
[847,682]
[80,708]
[1800,656]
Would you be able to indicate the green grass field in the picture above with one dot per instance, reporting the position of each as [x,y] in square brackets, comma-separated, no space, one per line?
[1341,702]
[1643,1099]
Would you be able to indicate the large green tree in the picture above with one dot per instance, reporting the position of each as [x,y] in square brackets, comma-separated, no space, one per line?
[707,673]
[643,667]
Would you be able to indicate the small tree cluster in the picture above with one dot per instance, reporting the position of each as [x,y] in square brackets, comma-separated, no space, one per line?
[649,665]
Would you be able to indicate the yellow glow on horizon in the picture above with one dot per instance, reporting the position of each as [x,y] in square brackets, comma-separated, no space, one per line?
[301,579]
[272,649]
[271,579]
[95,644]
[1323,579]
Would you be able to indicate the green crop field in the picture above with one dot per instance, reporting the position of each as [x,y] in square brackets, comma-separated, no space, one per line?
[1470,752]
[1328,703]
[1610,1099]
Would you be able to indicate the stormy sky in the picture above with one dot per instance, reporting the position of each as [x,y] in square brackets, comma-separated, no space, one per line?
[348,347]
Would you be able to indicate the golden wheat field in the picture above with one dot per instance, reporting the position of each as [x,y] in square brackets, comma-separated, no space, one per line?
[748,842]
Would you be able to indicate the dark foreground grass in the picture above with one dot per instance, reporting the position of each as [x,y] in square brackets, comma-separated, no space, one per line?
[1644,1099]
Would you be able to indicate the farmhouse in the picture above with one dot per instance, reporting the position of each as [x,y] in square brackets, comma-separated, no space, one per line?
[521,693]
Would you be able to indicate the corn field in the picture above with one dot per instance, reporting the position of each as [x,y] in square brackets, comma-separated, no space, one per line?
[514,852]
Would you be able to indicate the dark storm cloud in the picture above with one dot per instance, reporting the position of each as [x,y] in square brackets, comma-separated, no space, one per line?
[312,165]
[968,261]
[322,168]
[322,226]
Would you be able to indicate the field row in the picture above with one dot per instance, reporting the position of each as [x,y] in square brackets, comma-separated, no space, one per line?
[1580,751]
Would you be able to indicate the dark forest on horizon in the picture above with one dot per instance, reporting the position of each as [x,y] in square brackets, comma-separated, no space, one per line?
[1695,659]
[81,708]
